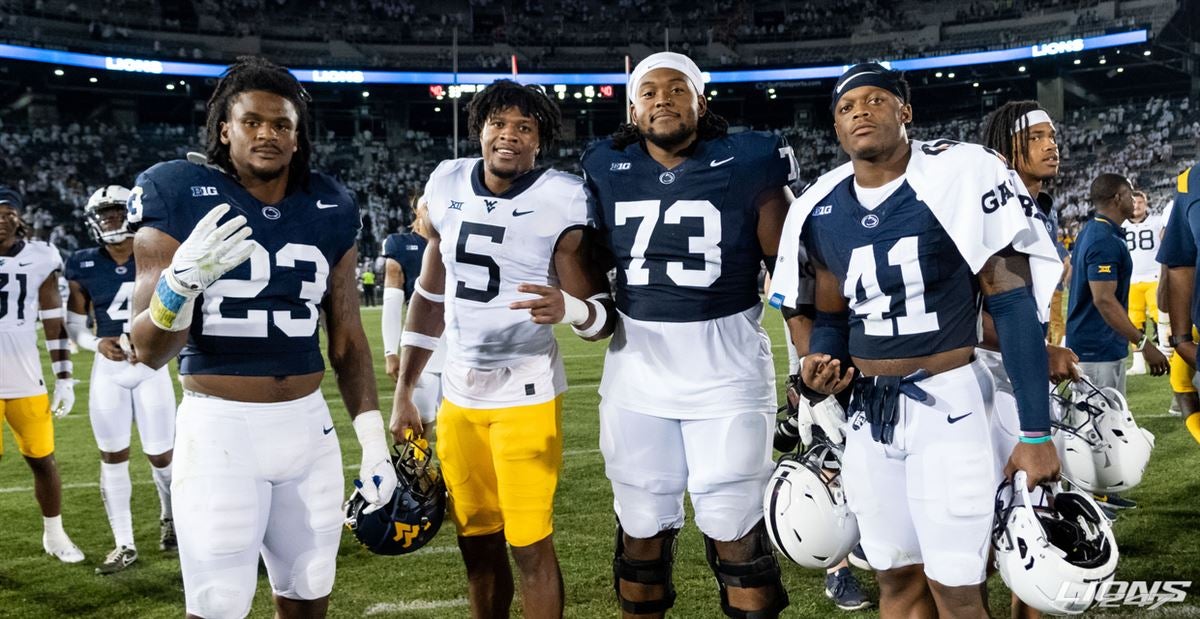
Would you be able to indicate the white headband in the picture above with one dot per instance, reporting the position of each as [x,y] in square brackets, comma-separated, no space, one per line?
[1035,117]
[665,60]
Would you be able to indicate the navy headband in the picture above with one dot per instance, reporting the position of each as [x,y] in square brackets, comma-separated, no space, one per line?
[12,197]
[868,74]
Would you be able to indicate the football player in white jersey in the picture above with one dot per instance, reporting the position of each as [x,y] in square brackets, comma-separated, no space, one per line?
[121,389]
[689,212]
[258,465]
[29,291]
[505,235]
[1143,234]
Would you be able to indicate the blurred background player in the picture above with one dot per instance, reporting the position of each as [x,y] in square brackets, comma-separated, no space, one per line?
[1099,329]
[501,230]
[121,391]
[689,212]
[1183,392]
[1179,254]
[402,252]
[29,273]
[1143,233]
[368,284]
[258,467]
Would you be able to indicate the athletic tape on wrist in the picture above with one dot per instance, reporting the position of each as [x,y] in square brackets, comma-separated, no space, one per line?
[598,323]
[1031,440]
[167,305]
[436,298]
[48,314]
[59,344]
[60,367]
[418,340]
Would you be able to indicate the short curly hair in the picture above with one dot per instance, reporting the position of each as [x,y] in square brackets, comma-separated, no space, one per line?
[530,100]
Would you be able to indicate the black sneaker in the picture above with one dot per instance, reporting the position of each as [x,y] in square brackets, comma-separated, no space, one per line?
[166,540]
[120,558]
[843,588]
[858,558]
[1115,501]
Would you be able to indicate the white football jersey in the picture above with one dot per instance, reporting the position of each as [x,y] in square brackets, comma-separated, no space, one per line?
[1143,240]
[21,277]
[490,244]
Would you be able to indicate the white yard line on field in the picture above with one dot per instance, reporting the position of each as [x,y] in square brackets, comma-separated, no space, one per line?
[85,484]
[413,605]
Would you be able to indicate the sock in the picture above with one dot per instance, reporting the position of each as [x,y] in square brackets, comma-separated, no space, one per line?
[53,529]
[162,481]
[1193,425]
[116,490]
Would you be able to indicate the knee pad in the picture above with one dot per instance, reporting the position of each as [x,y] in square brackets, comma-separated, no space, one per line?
[646,572]
[219,601]
[762,570]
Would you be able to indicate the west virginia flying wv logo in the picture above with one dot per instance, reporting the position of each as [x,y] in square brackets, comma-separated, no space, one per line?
[490,204]
[408,532]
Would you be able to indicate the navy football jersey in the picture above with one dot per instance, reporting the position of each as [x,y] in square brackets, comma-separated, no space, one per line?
[910,291]
[109,287]
[260,319]
[406,249]
[685,240]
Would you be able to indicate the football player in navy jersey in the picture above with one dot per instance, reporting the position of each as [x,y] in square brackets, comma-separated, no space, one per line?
[903,241]
[236,258]
[1179,254]
[689,214]
[506,260]
[402,252]
[121,389]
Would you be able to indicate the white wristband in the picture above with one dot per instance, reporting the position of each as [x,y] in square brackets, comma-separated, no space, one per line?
[372,436]
[575,312]
[418,340]
[60,367]
[436,298]
[59,344]
[600,320]
[47,314]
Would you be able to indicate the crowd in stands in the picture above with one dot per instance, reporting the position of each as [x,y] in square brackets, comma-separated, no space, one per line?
[537,30]
[57,167]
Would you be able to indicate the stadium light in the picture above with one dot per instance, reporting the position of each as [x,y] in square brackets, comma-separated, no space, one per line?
[712,93]
[1103,60]
[437,109]
[1120,69]
[366,93]
[1146,53]
[1021,68]
[93,80]
[975,84]
[1077,61]
[59,72]
[938,74]
[170,86]
[951,76]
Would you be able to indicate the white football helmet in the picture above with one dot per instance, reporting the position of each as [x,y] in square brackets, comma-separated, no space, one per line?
[1056,556]
[105,199]
[1103,449]
[805,508]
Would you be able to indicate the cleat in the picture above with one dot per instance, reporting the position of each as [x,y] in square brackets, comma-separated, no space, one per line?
[1174,410]
[120,558]
[843,588]
[167,542]
[63,549]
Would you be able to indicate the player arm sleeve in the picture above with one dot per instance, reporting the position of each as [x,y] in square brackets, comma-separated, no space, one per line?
[831,335]
[78,329]
[1023,351]
[393,310]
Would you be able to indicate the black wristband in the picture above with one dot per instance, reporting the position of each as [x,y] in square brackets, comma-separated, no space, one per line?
[1176,340]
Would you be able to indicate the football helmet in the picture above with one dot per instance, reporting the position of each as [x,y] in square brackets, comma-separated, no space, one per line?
[1057,555]
[805,508]
[1103,449]
[414,514]
[104,200]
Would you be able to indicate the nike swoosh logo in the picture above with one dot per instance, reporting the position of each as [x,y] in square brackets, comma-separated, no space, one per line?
[842,86]
[517,213]
[950,419]
[330,429]
[714,163]
[24,264]
[321,204]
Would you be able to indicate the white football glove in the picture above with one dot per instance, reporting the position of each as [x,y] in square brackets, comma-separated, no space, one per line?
[209,252]
[64,397]
[826,414]
[376,475]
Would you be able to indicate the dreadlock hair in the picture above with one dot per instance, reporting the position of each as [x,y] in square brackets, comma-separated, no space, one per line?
[710,126]
[257,73]
[530,100]
[997,133]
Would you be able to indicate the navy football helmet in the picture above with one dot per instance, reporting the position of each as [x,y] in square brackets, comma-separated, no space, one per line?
[414,514]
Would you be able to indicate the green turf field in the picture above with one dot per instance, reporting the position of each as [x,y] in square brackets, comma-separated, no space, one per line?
[1159,541]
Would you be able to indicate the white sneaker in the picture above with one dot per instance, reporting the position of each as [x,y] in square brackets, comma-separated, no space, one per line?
[62,549]
[1139,365]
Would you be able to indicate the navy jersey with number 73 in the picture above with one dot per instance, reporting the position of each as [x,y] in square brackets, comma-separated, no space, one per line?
[685,240]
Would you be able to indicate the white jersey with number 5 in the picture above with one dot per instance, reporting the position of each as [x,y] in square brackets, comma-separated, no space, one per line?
[1142,239]
[490,244]
[21,277]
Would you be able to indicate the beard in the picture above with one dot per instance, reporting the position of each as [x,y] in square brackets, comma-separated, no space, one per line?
[670,141]
[268,174]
